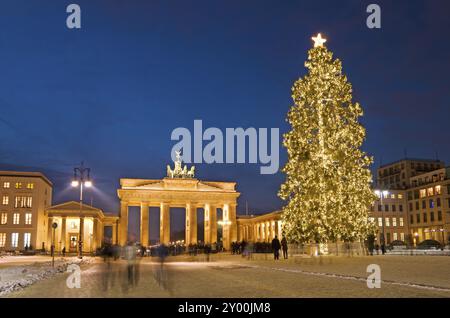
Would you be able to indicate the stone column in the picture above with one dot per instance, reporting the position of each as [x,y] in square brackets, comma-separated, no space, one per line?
[48,245]
[123,231]
[207,221]
[226,228]
[114,233]
[233,225]
[63,234]
[191,224]
[144,224]
[164,223]
[213,223]
[94,234]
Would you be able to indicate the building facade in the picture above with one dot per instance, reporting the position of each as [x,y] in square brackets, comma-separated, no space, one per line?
[25,197]
[397,175]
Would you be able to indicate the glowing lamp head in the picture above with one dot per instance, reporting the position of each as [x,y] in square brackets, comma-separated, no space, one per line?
[88,183]
[75,183]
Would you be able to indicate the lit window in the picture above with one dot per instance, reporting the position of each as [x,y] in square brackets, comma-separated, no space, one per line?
[395,236]
[386,221]
[16,218]
[423,193]
[26,240]
[380,222]
[372,220]
[430,191]
[394,221]
[6,185]
[4,218]
[437,189]
[400,221]
[402,236]
[18,185]
[5,200]
[23,202]
[14,239]
[30,186]
[28,217]
[2,239]
[400,196]
[392,196]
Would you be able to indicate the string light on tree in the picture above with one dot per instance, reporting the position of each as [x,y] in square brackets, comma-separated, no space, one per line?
[328,180]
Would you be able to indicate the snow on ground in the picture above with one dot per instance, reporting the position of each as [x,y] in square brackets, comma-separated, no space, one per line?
[18,272]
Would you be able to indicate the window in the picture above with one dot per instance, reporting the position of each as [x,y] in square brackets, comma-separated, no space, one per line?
[439,215]
[14,239]
[423,193]
[402,236]
[425,218]
[438,201]
[430,191]
[437,189]
[411,219]
[372,220]
[30,185]
[394,221]
[431,203]
[410,196]
[16,218]
[2,239]
[400,207]
[400,196]
[5,200]
[395,236]
[416,194]
[23,202]
[386,221]
[380,222]
[386,207]
[392,196]
[6,185]
[431,216]
[4,218]
[418,218]
[417,205]
[28,217]
[394,208]
[380,208]
[424,204]
[410,206]
[18,185]
[26,240]
[400,221]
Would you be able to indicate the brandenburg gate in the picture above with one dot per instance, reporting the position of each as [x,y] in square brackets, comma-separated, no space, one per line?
[180,189]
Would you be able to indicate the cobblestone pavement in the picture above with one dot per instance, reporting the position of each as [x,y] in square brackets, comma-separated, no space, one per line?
[233,276]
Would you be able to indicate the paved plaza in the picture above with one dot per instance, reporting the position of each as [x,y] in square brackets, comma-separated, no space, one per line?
[234,276]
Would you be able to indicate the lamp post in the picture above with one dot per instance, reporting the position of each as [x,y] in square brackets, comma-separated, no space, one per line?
[54,226]
[381,194]
[81,178]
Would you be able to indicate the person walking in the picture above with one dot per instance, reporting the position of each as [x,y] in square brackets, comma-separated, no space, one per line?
[276,248]
[284,247]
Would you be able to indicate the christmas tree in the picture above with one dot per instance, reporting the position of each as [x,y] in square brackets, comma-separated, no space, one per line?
[328,180]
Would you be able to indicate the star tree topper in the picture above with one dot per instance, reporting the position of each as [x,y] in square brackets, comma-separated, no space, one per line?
[318,40]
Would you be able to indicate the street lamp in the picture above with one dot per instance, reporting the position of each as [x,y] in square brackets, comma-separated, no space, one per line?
[54,226]
[381,194]
[81,178]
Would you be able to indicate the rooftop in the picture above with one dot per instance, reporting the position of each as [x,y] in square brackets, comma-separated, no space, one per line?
[25,174]
[411,159]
